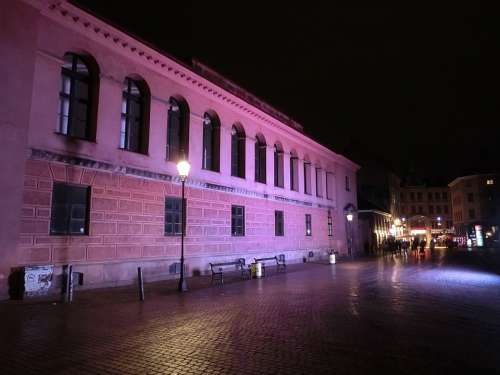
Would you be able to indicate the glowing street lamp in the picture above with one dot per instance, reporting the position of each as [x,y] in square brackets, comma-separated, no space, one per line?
[183,168]
[349,217]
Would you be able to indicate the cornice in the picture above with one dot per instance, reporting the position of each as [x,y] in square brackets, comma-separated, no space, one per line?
[159,62]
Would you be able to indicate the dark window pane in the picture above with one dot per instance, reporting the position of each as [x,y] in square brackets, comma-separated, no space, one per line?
[69,209]
[173,216]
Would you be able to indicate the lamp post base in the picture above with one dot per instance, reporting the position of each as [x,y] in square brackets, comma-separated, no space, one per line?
[182,285]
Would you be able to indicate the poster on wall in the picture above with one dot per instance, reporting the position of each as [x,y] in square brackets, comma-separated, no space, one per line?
[37,280]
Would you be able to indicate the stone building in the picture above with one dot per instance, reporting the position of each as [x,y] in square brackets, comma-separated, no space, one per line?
[426,212]
[476,209]
[93,122]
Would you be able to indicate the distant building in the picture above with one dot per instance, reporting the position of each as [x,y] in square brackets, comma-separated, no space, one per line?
[476,208]
[379,187]
[374,226]
[426,212]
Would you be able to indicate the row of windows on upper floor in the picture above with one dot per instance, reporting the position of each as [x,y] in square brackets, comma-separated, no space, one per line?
[430,196]
[438,210]
[78,114]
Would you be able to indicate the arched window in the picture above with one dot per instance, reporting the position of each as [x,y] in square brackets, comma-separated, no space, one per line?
[78,97]
[278,165]
[294,171]
[177,130]
[238,151]
[307,176]
[134,130]
[211,142]
[260,158]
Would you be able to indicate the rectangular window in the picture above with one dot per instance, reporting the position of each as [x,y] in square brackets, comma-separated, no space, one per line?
[472,213]
[319,183]
[412,196]
[444,194]
[420,210]
[490,182]
[307,177]
[70,210]
[329,186]
[413,210]
[173,216]
[279,226]
[419,196]
[294,173]
[330,226]
[445,209]
[237,220]
[308,225]
[438,209]
[429,196]
[431,209]
[470,197]
[347,184]
[437,195]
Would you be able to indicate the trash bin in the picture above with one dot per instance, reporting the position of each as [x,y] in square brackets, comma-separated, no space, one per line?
[256,270]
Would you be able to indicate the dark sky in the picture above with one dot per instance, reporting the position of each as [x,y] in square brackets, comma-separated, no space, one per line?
[413,85]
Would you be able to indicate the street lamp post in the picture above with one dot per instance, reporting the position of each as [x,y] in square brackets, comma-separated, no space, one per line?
[349,218]
[183,168]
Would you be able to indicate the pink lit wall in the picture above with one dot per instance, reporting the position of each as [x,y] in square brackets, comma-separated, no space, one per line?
[127,210]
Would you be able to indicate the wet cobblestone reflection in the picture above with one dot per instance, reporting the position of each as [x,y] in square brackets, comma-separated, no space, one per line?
[398,315]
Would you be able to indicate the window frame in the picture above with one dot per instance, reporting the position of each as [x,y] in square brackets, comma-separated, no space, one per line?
[260,160]
[308,225]
[294,172]
[86,219]
[238,151]
[92,82]
[279,178]
[279,223]
[211,142]
[182,218]
[307,177]
[234,217]
[141,100]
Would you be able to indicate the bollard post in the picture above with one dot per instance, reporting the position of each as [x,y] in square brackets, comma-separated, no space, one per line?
[140,283]
[68,286]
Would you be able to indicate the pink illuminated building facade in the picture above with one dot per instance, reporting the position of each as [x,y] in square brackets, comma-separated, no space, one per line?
[93,122]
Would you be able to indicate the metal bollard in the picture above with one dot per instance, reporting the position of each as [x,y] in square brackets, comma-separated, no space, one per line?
[140,283]
[68,286]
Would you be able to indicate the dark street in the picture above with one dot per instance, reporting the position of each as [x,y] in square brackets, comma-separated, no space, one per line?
[387,315]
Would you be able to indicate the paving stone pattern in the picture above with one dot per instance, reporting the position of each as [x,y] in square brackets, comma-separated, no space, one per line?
[403,315]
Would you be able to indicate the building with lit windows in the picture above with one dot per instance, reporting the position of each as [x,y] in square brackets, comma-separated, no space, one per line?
[476,209]
[92,127]
[427,212]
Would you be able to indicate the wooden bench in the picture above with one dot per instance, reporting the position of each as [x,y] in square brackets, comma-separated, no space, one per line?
[218,269]
[280,263]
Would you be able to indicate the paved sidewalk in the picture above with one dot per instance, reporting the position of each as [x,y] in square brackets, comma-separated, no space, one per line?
[393,315]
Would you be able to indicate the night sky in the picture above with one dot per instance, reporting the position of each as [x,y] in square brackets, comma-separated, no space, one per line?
[415,86]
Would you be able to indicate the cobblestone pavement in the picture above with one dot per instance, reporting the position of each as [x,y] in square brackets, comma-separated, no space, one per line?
[403,315]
